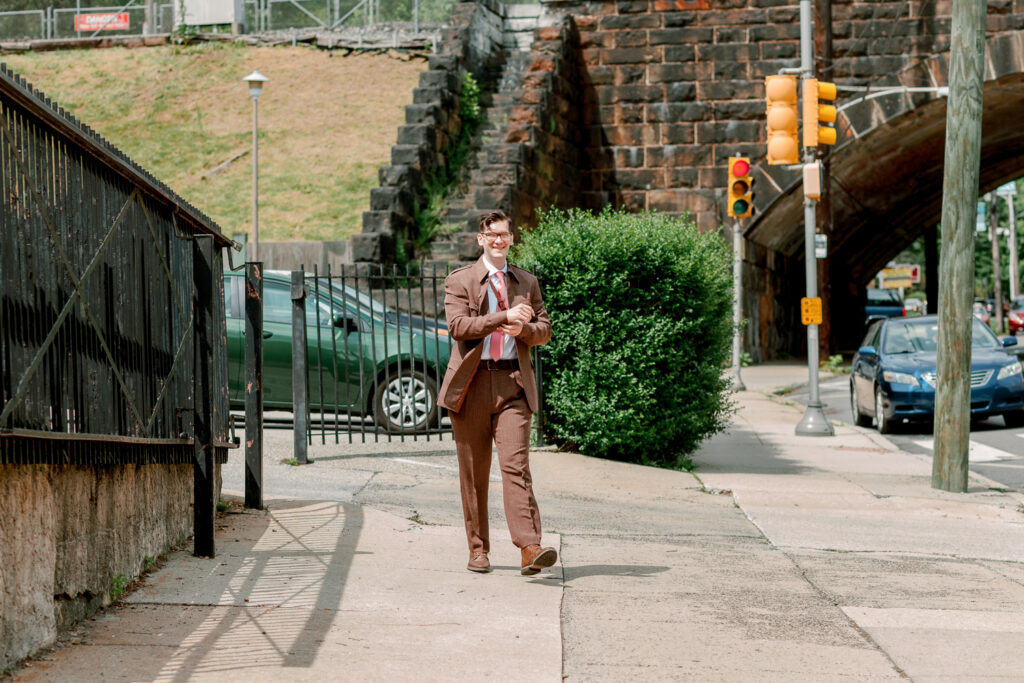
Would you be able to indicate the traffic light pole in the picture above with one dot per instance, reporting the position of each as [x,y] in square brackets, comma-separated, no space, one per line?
[814,422]
[737,305]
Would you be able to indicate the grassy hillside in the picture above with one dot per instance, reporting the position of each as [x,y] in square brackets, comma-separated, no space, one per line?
[326,125]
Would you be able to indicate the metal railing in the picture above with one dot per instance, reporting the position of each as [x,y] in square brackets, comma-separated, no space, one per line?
[97,297]
[376,350]
[51,22]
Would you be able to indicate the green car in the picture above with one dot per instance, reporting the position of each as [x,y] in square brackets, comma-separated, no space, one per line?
[373,361]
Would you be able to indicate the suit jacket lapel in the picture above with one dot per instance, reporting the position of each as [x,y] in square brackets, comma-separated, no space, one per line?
[479,272]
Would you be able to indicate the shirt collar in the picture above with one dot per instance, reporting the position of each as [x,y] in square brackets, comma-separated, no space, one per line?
[491,270]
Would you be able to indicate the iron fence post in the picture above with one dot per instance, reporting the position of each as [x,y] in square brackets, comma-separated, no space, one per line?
[203,468]
[254,385]
[300,389]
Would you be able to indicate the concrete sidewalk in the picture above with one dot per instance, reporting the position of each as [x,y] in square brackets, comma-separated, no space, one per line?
[779,558]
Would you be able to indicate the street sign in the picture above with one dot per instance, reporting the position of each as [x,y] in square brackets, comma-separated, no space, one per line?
[95,22]
[820,245]
[894,278]
[810,310]
[914,270]
[1007,189]
[981,225]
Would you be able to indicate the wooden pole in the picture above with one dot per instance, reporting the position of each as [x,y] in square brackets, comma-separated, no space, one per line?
[956,284]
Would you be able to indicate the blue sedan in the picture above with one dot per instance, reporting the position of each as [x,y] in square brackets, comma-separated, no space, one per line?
[892,378]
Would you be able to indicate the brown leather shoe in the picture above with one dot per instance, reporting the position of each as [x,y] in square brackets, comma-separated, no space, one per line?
[478,562]
[536,558]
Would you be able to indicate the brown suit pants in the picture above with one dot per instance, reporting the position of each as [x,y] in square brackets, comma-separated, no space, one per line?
[495,409]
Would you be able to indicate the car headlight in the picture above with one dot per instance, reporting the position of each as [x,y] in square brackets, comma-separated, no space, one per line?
[1009,370]
[899,378]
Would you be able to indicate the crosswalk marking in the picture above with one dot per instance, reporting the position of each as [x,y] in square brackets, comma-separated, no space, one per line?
[976,452]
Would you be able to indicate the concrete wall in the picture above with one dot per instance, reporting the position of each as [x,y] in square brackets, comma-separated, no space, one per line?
[66,531]
[294,255]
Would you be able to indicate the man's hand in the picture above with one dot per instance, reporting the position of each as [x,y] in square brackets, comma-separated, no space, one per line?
[520,313]
[512,329]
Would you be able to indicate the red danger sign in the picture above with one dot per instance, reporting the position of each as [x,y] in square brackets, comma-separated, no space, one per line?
[106,22]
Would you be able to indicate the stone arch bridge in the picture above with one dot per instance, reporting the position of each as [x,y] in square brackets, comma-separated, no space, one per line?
[638,103]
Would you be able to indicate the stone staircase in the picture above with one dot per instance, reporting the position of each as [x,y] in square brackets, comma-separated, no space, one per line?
[488,176]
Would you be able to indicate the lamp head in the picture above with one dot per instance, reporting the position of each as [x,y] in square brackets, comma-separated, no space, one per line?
[255,81]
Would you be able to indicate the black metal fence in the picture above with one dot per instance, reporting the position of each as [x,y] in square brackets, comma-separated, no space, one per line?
[377,347]
[98,273]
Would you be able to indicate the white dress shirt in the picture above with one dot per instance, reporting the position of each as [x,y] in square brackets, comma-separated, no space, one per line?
[509,351]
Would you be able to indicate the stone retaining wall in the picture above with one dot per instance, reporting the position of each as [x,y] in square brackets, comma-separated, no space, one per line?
[67,531]
[432,125]
[536,164]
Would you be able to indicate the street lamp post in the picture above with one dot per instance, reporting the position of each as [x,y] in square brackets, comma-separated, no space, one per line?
[255,81]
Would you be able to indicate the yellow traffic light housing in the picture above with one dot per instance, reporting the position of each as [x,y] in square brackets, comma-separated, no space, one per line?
[783,137]
[741,188]
[815,113]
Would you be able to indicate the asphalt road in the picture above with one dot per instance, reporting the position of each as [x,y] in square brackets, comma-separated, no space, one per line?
[996,451]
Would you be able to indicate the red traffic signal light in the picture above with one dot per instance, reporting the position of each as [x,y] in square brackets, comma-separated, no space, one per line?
[741,188]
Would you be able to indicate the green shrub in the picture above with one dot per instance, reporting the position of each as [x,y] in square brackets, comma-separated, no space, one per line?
[640,305]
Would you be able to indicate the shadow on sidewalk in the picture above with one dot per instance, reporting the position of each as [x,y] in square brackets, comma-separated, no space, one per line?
[635,570]
[269,598]
[742,449]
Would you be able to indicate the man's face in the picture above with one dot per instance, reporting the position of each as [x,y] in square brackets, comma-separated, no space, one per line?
[496,240]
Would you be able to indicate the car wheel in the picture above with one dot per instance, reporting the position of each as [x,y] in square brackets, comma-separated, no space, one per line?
[406,401]
[1015,419]
[883,424]
[859,418]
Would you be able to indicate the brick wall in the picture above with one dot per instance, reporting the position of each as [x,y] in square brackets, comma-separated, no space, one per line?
[672,88]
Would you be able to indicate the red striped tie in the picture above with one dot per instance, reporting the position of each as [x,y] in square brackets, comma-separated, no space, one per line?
[498,337]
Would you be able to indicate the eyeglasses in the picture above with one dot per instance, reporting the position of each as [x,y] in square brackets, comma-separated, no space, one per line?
[495,236]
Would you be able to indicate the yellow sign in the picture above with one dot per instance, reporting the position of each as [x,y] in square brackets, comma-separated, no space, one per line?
[810,311]
[894,278]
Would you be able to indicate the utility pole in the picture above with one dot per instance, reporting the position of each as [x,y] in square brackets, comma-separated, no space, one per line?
[959,208]
[997,264]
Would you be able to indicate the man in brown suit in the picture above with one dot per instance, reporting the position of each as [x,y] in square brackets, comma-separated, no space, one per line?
[495,314]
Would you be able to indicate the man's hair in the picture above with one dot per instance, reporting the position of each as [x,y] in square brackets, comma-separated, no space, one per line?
[489,219]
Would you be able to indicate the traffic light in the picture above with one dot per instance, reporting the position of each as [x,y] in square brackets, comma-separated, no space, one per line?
[815,113]
[783,140]
[741,188]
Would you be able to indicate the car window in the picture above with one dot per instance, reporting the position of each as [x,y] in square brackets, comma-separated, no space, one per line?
[918,337]
[875,334]
[911,338]
[883,296]
[277,303]
[277,306]
[229,297]
[982,337]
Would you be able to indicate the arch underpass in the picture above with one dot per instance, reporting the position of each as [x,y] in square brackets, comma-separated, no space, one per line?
[887,176]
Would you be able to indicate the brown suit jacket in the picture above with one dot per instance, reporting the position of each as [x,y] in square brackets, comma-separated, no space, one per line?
[469,323]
